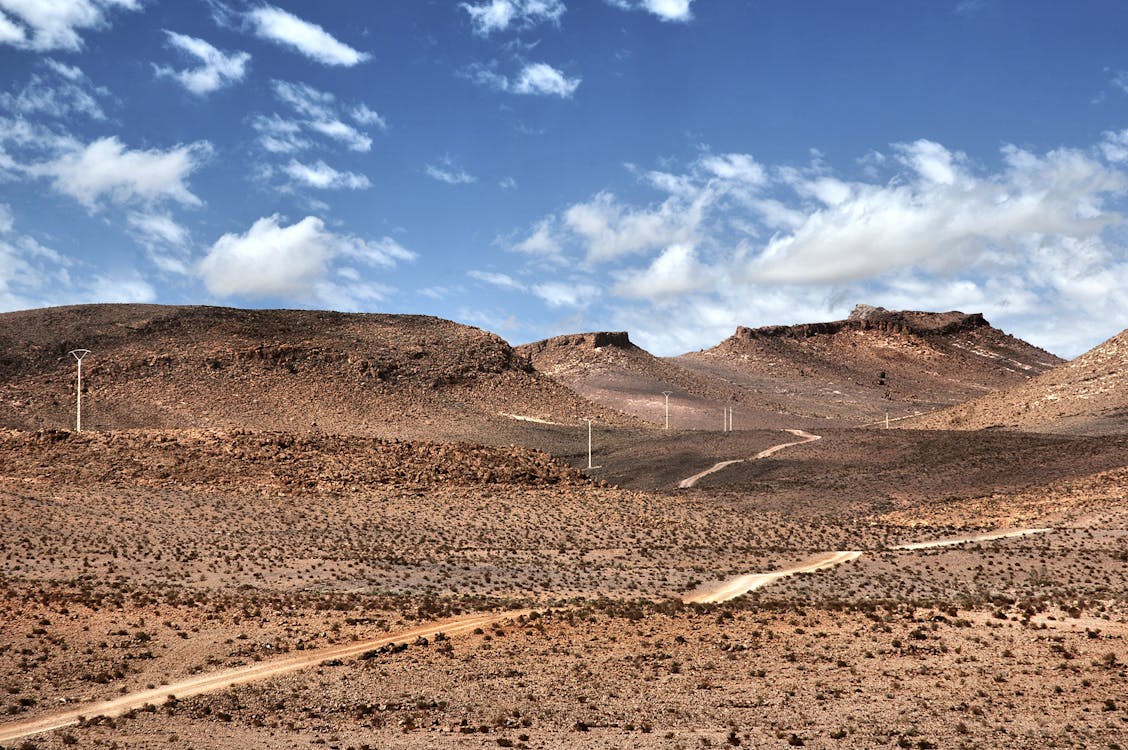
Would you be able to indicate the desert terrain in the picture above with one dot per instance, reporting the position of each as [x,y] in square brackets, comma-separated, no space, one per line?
[434,564]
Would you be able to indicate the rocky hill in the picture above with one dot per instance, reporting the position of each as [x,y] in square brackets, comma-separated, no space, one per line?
[607,368]
[873,362]
[162,367]
[1088,395]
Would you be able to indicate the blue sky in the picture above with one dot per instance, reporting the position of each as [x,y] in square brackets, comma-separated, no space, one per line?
[674,168]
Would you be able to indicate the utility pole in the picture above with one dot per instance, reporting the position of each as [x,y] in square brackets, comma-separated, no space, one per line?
[78,354]
[589,446]
[667,395]
[887,420]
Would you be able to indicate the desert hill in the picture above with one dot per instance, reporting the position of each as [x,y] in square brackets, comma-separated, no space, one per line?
[607,368]
[161,367]
[873,362]
[1087,395]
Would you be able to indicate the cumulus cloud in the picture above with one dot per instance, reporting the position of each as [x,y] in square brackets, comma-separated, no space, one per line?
[271,259]
[608,229]
[667,10]
[216,69]
[534,79]
[365,116]
[943,216]
[105,168]
[320,175]
[498,15]
[1036,242]
[279,135]
[43,25]
[60,91]
[288,30]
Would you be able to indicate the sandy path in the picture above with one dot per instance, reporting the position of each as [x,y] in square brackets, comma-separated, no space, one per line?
[806,438]
[205,683]
[723,591]
[734,587]
[984,537]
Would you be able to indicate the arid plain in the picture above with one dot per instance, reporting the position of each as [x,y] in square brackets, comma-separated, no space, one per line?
[295,529]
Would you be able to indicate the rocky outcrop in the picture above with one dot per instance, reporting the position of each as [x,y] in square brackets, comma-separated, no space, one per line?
[593,340]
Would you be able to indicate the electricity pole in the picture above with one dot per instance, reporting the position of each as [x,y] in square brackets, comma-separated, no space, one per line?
[667,395]
[589,446]
[78,354]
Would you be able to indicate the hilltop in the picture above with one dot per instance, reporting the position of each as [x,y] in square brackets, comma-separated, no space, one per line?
[167,367]
[874,361]
[1087,395]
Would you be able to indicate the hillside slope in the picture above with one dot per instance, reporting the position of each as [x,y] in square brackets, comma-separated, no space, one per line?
[875,361]
[607,368]
[164,367]
[1087,395]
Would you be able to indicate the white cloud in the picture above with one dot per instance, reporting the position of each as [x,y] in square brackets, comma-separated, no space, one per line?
[736,167]
[54,24]
[281,27]
[278,135]
[1114,146]
[609,229]
[158,228]
[64,91]
[562,294]
[497,15]
[667,10]
[450,174]
[502,280]
[944,218]
[365,116]
[322,115]
[543,240]
[106,168]
[273,260]
[324,177]
[534,79]
[216,70]
[675,272]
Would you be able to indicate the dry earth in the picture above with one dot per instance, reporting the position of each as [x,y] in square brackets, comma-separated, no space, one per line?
[1088,395]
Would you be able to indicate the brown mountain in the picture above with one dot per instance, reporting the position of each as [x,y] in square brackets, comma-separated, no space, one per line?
[875,361]
[162,367]
[607,368]
[1087,395]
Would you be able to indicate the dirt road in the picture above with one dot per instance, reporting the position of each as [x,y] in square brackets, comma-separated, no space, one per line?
[984,537]
[734,587]
[806,438]
[212,681]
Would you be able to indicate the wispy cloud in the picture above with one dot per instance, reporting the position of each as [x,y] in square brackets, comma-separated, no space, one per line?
[536,79]
[43,25]
[216,69]
[320,175]
[284,28]
[498,15]
[667,10]
[60,91]
[502,280]
[320,113]
[447,172]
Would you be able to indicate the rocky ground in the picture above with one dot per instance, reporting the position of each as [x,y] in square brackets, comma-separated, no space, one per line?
[149,569]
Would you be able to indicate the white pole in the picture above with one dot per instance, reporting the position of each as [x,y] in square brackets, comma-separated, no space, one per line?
[78,354]
[887,420]
[667,395]
[589,445]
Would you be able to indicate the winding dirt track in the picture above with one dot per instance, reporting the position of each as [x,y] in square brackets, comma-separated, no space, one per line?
[206,683]
[734,587]
[806,438]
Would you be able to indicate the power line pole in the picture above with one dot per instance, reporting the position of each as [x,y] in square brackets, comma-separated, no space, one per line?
[589,446]
[667,395]
[78,354]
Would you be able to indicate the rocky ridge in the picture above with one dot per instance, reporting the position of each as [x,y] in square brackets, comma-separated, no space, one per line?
[1087,395]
